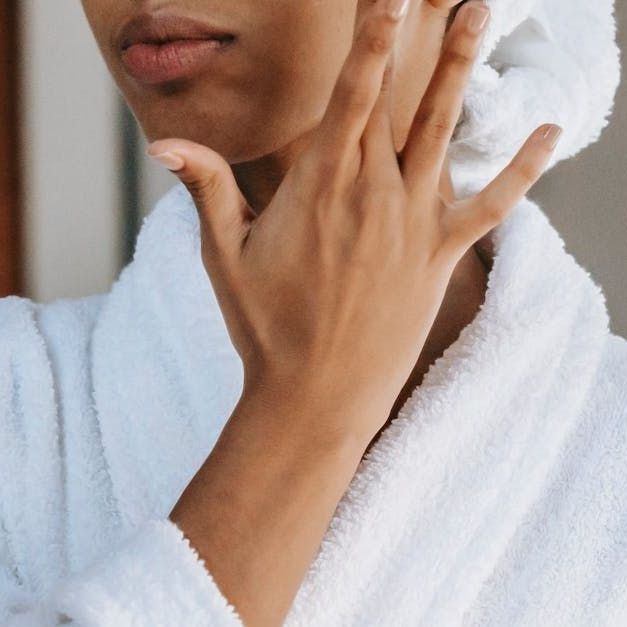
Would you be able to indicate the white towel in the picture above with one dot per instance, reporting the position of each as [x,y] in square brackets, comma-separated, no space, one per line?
[498,495]
[540,61]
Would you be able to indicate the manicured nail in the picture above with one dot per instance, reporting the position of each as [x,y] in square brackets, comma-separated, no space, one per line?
[169,160]
[551,135]
[397,9]
[475,17]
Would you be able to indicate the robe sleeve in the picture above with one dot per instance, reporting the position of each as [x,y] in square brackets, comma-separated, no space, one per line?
[155,578]
[60,561]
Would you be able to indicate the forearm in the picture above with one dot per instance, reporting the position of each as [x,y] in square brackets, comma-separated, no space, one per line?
[258,508]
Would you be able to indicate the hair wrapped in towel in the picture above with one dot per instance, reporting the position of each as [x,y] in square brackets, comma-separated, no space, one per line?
[541,61]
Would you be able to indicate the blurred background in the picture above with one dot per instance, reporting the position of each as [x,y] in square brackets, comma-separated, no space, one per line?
[75,184]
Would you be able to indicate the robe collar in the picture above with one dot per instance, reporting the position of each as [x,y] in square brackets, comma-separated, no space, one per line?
[468,452]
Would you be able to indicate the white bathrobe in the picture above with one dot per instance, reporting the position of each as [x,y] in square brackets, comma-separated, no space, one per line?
[497,496]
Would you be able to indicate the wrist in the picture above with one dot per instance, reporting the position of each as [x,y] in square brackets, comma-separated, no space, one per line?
[265,495]
[309,419]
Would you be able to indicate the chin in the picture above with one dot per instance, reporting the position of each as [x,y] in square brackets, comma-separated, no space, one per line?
[238,140]
[236,135]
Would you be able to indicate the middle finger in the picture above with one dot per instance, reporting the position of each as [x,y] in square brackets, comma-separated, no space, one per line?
[436,118]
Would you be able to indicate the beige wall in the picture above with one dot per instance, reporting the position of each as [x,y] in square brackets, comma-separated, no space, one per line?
[72,220]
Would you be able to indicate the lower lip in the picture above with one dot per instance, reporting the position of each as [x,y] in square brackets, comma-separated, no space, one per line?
[161,63]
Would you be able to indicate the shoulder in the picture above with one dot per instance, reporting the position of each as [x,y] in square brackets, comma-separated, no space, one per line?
[51,471]
[32,333]
[604,412]
[41,345]
[616,352]
[609,390]
[19,315]
[42,348]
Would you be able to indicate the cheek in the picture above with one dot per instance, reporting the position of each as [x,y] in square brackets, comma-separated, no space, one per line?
[276,89]
[306,57]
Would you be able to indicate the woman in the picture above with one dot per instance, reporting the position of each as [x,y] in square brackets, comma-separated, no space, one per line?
[396,400]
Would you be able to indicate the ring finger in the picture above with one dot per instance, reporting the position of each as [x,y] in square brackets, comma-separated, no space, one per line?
[431,131]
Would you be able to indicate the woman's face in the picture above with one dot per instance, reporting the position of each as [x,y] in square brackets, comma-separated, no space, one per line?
[259,73]
[267,85]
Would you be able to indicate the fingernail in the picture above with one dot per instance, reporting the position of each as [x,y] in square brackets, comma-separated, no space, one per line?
[169,160]
[397,9]
[475,17]
[551,135]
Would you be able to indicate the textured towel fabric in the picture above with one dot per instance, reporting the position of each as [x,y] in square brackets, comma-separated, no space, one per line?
[541,61]
[498,496]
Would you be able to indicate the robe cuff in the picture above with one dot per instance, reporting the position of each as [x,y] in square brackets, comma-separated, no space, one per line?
[155,578]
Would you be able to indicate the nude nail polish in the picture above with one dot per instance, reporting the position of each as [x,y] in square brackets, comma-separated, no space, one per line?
[552,134]
[169,160]
[475,17]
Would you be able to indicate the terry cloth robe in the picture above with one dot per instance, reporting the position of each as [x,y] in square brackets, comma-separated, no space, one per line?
[497,496]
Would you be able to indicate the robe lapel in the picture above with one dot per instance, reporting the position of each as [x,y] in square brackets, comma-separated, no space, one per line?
[435,501]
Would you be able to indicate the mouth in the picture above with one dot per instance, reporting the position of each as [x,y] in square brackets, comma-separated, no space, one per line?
[165,48]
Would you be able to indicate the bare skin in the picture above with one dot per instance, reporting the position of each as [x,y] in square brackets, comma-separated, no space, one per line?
[222,111]
[341,260]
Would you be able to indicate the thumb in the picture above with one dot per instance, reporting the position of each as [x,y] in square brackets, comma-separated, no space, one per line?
[223,211]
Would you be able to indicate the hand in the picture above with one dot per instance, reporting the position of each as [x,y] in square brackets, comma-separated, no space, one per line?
[330,293]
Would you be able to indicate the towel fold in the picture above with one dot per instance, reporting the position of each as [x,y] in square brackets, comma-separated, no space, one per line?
[540,61]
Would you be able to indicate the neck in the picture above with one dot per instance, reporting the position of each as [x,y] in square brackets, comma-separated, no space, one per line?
[258,180]
[464,296]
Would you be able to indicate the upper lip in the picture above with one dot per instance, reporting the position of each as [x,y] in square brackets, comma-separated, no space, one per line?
[158,29]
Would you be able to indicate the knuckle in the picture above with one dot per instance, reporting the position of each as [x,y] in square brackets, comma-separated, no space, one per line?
[457,59]
[376,36]
[377,44]
[493,212]
[203,189]
[487,210]
[526,172]
[437,124]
